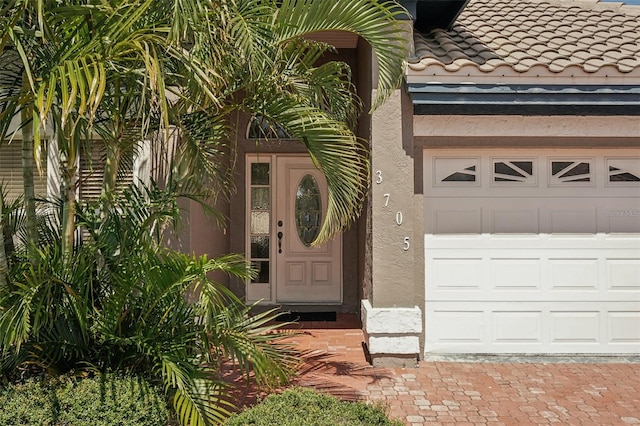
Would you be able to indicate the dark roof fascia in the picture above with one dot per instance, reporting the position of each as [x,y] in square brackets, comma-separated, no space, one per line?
[429,14]
[519,99]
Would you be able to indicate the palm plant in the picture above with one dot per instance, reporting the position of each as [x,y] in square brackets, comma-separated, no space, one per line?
[184,57]
[4,265]
[134,70]
[124,302]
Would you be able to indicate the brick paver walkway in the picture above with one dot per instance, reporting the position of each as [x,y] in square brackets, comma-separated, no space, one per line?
[471,393]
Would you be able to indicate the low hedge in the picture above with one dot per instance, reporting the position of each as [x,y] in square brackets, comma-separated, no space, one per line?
[99,401]
[304,407]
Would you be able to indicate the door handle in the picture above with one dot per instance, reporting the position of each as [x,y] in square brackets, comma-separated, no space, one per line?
[280,242]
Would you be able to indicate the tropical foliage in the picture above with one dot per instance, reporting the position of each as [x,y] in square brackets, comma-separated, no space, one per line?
[132,69]
[123,302]
[90,286]
[295,407]
[98,401]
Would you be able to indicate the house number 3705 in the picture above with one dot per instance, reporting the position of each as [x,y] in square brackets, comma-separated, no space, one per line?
[399,218]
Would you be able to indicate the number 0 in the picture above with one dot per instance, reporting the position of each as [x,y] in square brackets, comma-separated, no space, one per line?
[399,218]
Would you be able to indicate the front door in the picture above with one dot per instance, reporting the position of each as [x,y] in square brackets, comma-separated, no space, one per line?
[287,220]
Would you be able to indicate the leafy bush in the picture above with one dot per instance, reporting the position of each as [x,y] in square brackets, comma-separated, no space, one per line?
[83,402]
[302,407]
[123,302]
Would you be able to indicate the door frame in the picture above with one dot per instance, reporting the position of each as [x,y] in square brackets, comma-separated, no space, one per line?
[265,293]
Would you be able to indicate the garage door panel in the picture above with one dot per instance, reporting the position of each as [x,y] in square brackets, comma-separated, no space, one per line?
[624,327]
[624,274]
[522,215]
[458,221]
[460,326]
[574,274]
[572,221]
[575,327]
[454,273]
[623,221]
[515,273]
[514,326]
[532,251]
[534,327]
[516,221]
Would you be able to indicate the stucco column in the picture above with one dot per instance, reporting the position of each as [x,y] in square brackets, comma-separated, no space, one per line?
[391,320]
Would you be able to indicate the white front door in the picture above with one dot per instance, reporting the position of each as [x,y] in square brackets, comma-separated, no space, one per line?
[287,202]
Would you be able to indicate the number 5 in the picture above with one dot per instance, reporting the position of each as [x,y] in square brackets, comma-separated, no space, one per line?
[406,244]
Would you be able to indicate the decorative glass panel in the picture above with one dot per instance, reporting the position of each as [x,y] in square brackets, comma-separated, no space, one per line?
[260,198]
[260,173]
[262,268]
[260,247]
[308,210]
[624,170]
[456,171]
[570,171]
[462,176]
[261,128]
[260,222]
[513,171]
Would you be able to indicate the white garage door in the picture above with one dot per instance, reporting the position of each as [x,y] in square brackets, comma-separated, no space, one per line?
[532,251]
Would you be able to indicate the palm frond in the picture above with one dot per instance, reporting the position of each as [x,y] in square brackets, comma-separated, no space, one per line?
[254,342]
[334,149]
[374,21]
[198,398]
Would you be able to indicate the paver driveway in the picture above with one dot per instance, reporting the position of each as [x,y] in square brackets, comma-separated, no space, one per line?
[471,393]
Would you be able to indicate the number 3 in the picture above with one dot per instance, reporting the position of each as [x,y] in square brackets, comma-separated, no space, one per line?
[406,244]
[378,176]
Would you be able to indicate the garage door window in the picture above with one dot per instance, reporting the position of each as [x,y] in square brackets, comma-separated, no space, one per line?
[623,170]
[569,172]
[456,171]
[514,171]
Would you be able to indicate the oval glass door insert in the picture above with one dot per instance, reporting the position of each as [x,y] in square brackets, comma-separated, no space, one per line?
[308,209]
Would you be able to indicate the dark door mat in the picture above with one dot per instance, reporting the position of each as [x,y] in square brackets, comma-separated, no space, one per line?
[307,316]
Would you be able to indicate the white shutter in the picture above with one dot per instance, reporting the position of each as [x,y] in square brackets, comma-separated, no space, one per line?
[11,171]
[92,165]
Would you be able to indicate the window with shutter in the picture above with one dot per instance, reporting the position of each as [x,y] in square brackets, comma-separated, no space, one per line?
[11,171]
[91,174]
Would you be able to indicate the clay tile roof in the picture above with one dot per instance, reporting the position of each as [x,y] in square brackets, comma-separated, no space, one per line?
[539,38]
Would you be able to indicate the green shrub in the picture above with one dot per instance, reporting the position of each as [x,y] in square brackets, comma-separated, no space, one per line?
[304,407]
[82,402]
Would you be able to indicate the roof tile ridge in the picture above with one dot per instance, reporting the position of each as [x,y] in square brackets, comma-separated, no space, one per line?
[619,6]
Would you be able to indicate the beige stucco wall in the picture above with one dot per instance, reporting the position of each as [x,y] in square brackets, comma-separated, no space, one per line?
[395,276]
[526,128]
